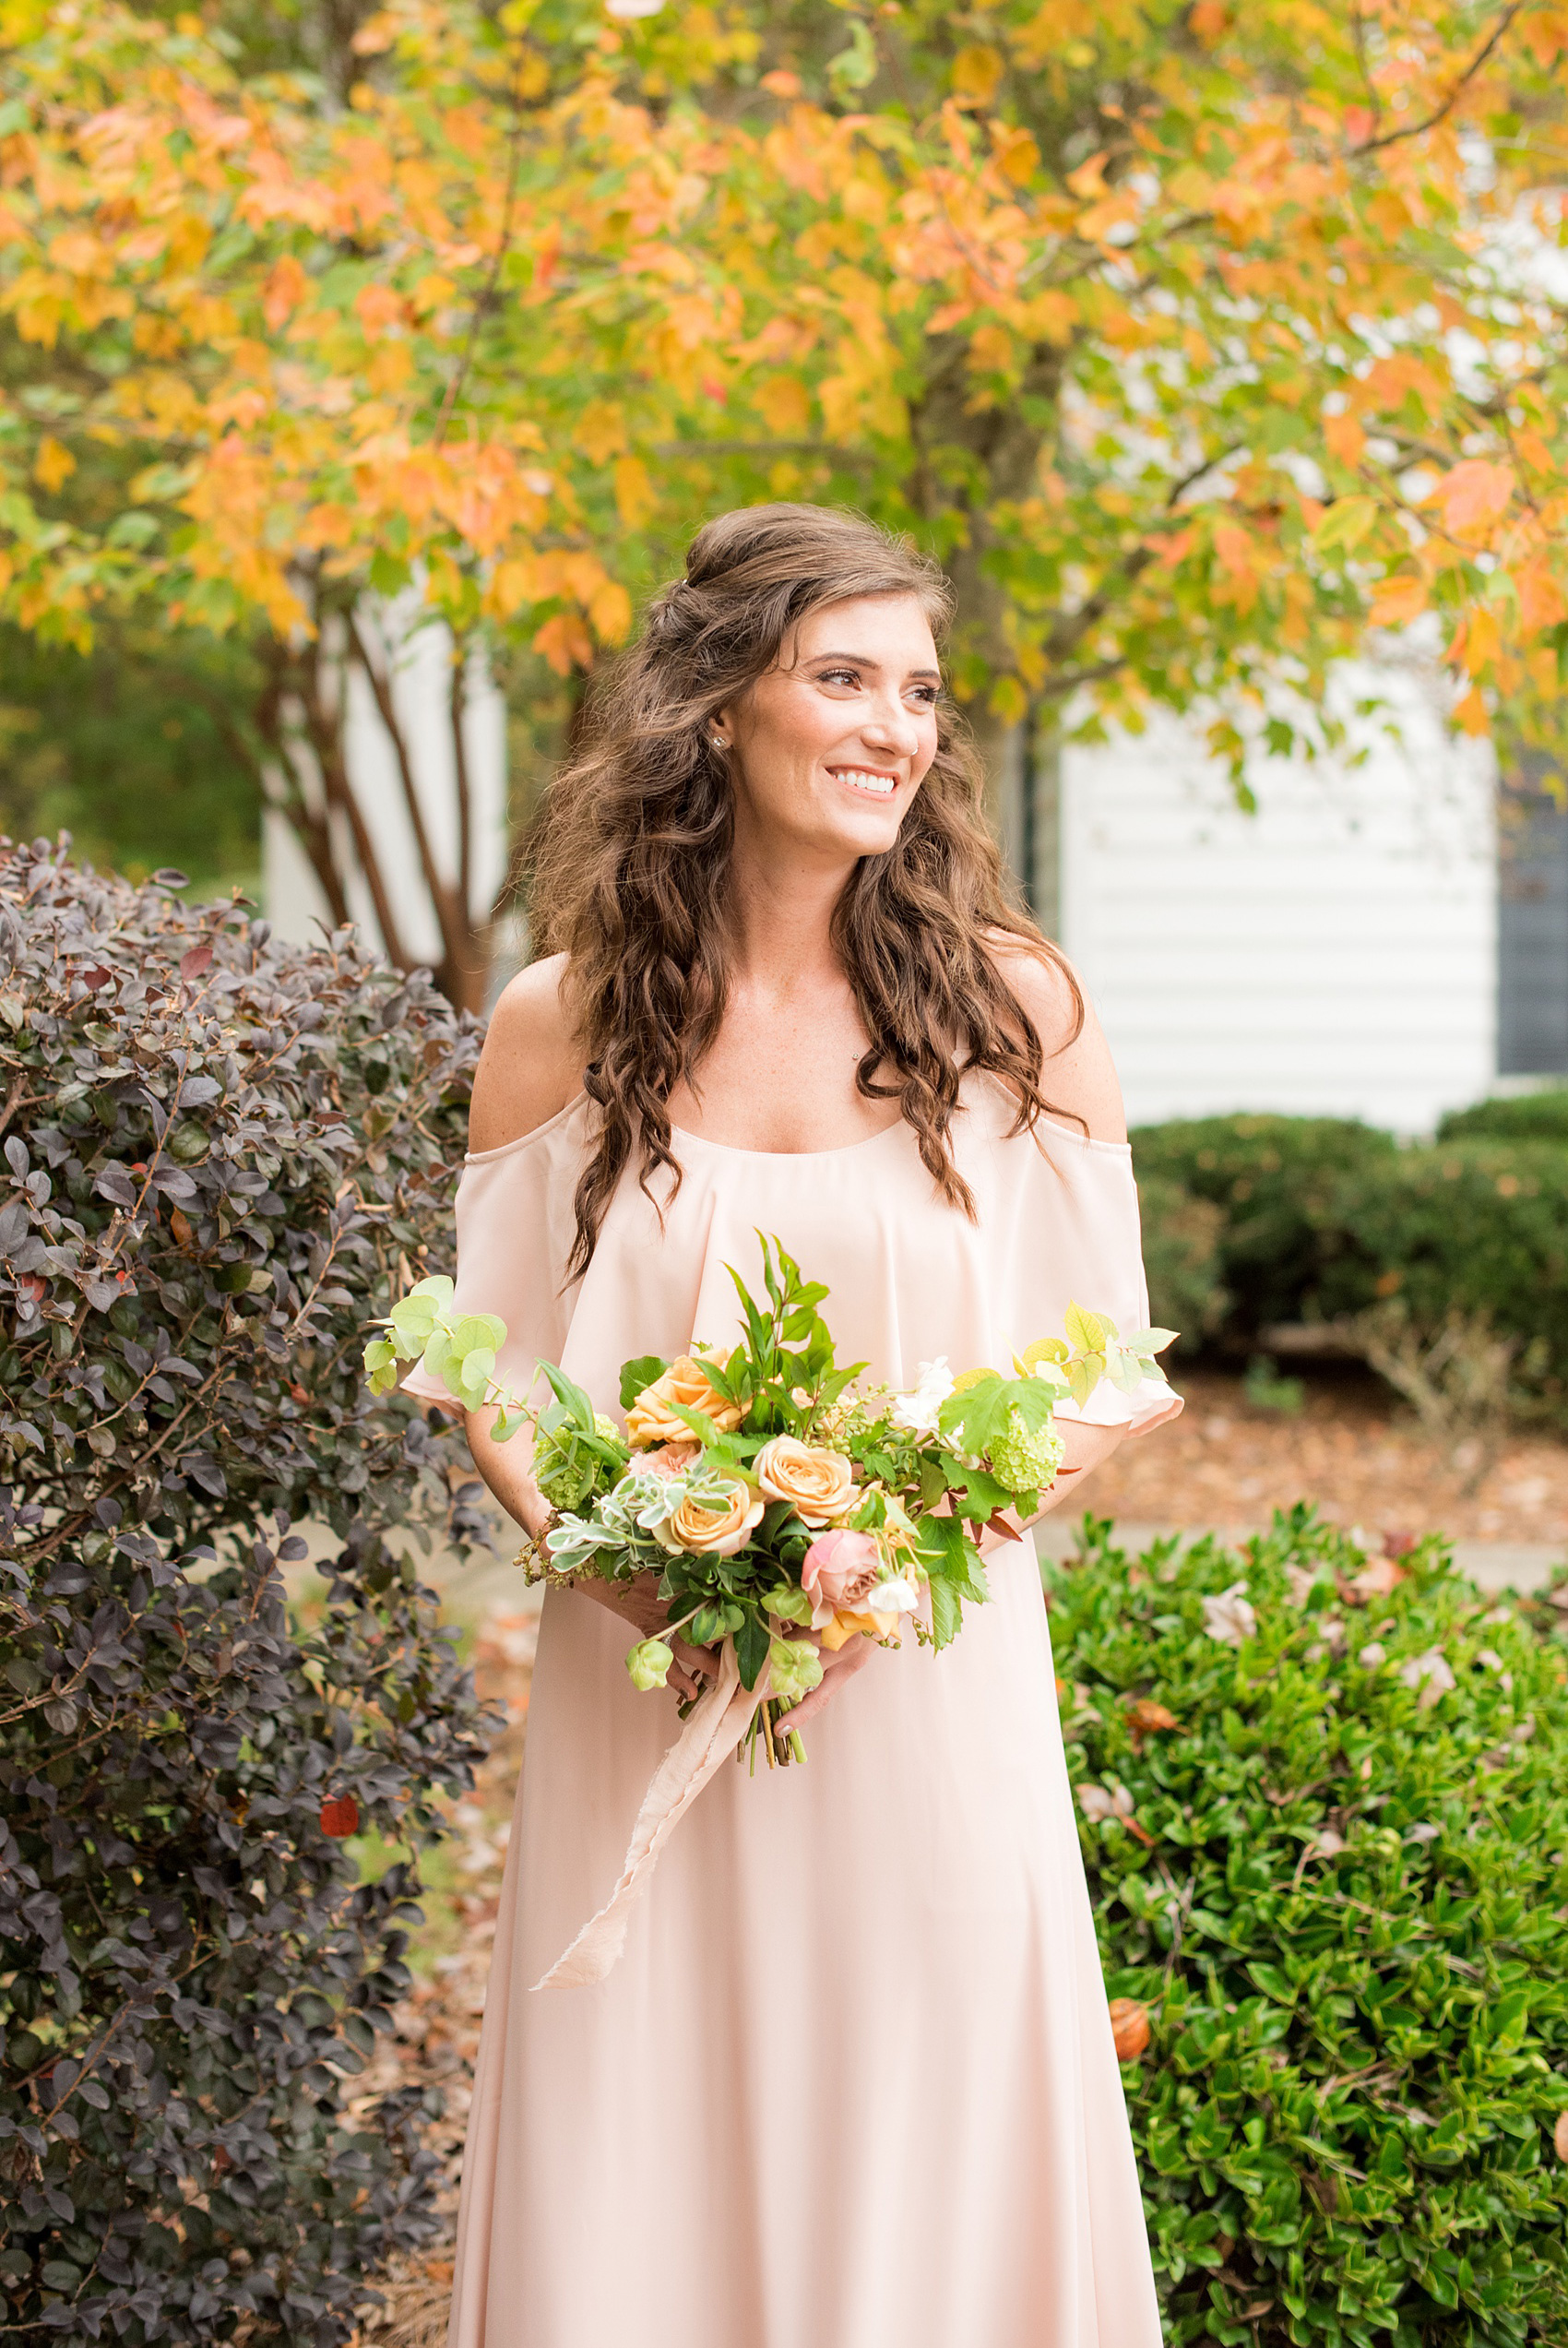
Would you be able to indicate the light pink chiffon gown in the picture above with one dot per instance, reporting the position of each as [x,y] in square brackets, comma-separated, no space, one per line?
[851,2084]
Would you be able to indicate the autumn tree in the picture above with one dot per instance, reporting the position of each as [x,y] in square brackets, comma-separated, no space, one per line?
[1196,341]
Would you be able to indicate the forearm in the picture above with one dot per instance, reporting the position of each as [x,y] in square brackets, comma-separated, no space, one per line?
[1085,1449]
[506,1468]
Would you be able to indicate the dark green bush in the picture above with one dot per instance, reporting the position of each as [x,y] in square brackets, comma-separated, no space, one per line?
[1480,1227]
[220,1153]
[1340,1894]
[1520,1116]
[1274,1178]
[1182,1238]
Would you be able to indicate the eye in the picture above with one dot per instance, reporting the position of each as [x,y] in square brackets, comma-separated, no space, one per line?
[838,676]
[927,695]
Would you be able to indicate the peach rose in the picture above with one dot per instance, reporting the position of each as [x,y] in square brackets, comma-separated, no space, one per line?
[819,1484]
[650,1420]
[714,1532]
[840,1569]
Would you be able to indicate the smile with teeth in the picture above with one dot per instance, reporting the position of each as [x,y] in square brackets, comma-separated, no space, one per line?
[879,786]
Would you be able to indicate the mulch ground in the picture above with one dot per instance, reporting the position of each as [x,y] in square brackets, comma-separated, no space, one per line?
[1350,1448]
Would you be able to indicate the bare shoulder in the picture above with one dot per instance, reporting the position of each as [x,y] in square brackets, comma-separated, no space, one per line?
[1079,1076]
[531,1065]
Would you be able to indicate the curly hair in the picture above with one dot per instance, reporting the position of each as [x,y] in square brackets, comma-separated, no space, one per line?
[628,864]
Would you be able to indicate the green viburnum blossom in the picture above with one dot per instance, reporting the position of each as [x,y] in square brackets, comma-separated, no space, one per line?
[648,1663]
[1026,1460]
[794,1668]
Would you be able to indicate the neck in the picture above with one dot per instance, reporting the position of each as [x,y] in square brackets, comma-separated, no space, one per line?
[782,902]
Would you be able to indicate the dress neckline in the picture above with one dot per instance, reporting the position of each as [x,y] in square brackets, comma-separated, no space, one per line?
[787,1157]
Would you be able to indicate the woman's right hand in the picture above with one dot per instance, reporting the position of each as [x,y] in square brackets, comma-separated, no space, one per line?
[638,1603]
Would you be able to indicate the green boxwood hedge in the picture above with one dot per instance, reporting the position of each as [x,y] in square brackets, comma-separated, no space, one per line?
[1321,1218]
[1520,1116]
[1337,1883]
[1477,1226]
[1275,1181]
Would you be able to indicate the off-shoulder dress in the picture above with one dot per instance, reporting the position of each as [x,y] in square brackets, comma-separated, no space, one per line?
[853,2083]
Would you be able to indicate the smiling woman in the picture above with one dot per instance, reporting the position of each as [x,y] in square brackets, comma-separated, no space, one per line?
[853,2083]
[776,692]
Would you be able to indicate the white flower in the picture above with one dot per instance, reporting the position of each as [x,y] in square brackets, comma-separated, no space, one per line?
[1230,1617]
[1099,1802]
[1425,1832]
[897,1597]
[1327,1844]
[1372,1655]
[917,1413]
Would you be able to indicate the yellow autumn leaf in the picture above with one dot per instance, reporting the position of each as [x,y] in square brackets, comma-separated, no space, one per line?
[610,610]
[634,497]
[601,431]
[977,71]
[784,400]
[53,464]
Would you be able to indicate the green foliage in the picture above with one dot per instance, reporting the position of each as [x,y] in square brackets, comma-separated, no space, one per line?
[1517,1116]
[1338,1887]
[220,1151]
[1479,1227]
[134,749]
[1276,1180]
[1182,1241]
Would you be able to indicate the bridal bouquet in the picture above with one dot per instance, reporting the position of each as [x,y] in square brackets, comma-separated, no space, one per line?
[783,1506]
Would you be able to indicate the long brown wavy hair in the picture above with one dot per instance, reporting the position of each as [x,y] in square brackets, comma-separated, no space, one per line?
[628,866]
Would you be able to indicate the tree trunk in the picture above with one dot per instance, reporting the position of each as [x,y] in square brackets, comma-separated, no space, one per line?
[997,450]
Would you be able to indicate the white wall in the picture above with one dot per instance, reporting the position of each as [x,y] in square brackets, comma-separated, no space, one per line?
[1335,953]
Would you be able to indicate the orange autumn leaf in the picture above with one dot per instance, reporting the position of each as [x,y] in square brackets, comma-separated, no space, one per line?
[1475,495]
[1148,1715]
[1129,2028]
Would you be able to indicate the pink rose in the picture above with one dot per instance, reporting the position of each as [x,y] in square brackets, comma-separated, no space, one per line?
[840,1569]
[669,1458]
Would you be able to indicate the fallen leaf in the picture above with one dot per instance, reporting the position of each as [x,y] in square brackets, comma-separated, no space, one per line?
[1148,1715]
[340,1815]
[1129,2029]
[1376,1579]
[1230,1617]
[1098,1803]
[180,1225]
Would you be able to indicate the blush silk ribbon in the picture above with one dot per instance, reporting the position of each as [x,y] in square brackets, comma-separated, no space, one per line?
[718,1722]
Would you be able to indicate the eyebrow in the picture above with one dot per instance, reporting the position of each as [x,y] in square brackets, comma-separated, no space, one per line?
[864,661]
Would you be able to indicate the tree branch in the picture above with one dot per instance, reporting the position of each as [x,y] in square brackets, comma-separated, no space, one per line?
[326,733]
[1418,130]
[449,917]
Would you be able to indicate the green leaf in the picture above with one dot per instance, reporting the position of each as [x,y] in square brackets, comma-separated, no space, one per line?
[946,1613]
[752,1642]
[1086,1331]
[577,1406]
[474,1375]
[476,1331]
[639,1375]
[1347,522]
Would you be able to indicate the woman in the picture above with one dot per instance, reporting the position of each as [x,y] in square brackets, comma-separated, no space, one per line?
[851,2084]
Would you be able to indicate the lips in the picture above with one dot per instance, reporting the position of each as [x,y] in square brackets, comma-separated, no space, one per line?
[866,780]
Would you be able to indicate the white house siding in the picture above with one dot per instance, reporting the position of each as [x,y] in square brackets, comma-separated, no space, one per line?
[1333,954]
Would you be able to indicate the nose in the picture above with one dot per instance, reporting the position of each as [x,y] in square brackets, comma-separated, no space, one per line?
[891,728]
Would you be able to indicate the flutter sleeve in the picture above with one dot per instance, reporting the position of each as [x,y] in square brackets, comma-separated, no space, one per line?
[1070,1219]
[515,1228]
